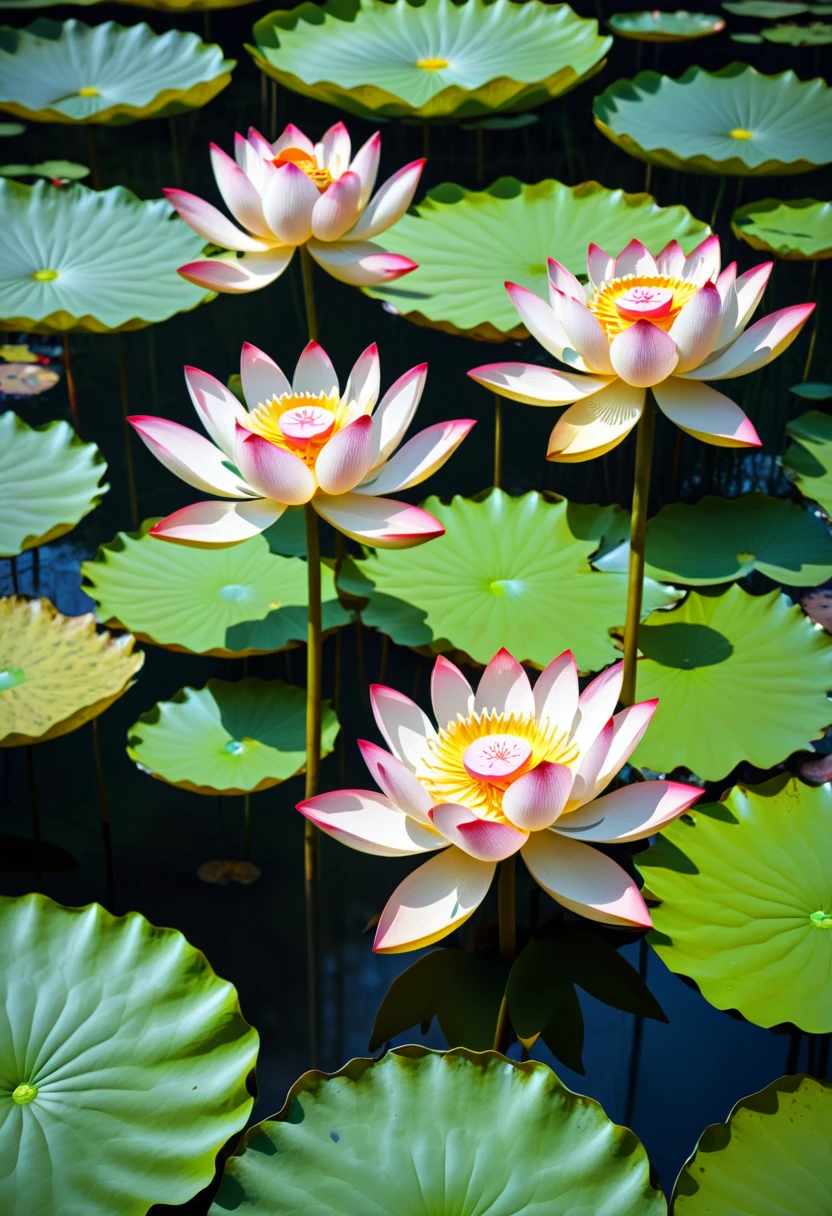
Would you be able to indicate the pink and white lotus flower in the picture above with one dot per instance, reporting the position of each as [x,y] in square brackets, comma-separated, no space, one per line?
[666,324]
[510,769]
[302,442]
[293,193]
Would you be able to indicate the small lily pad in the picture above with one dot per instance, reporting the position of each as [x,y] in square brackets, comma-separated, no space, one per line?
[228,738]
[56,672]
[49,480]
[162,6]
[817,33]
[8,129]
[746,902]
[795,229]
[768,10]
[55,170]
[225,601]
[656,26]
[808,460]
[738,677]
[812,391]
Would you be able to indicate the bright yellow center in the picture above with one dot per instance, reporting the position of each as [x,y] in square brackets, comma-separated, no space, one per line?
[44,276]
[741,133]
[265,421]
[88,91]
[603,302]
[305,161]
[432,65]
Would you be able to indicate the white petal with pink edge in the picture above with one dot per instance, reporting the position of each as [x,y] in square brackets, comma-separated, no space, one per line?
[599,422]
[314,372]
[239,275]
[256,165]
[290,137]
[451,694]
[564,280]
[484,839]
[541,322]
[192,458]
[534,385]
[433,901]
[403,724]
[262,379]
[705,413]
[702,263]
[217,408]
[337,208]
[589,766]
[389,204]
[370,823]
[671,260]
[534,801]
[504,687]
[334,150]
[630,813]
[741,300]
[599,264]
[396,409]
[274,472]
[365,164]
[288,204]
[346,458]
[396,780]
[762,342]
[635,258]
[585,332]
[239,194]
[418,459]
[363,381]
[696,327]
[596,705]
[210,223]
[584,880]
[556,692]
[383,523]
[628,729]
[643,354]
[219,523]
[362,263]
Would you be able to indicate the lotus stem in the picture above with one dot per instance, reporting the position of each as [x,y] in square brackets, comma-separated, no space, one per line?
[104,814]
[223,834]
[311,839]
[638,1038]
[498,440]
[638,530]
[206,26]
[717,203]
[174,154]
[306,270]
[247,828]
[15,579]
[35,816]
[264,101]
[273,110]
[128,449]
[71,390]
[95,177]
[648,174]
[810,354]
[506,910]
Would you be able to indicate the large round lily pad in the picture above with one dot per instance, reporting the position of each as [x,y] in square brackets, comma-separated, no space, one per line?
[509,572]
[226,601]
[798,230]
[49,480]
[655,26]
[229,737]
[718,540]
[435,59]
[71,72]
[468,243]
[808,460]
[738,677]
[421,1132]
[98,260]
[735,121]
[746,901]
[123,1063]
[56,672]
[771,1157]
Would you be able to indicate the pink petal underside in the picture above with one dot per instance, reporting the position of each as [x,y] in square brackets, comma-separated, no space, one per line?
[396,410]
[556,692]
[369,822]
[540,320]
[337,208]
[596,705]
[504,687]
[237,277]
[262,379]
[390,203]
[535,800]
[588,768]
[702,263]
[239,194]
[290,137]
[272,471]
[418,459]
[335,149]
[635,258]
[535,385]
[365,164]
[396,780]
[671,260]
[705,413]
[288,204]
[190,457]
[433,901]
[584,880]
[564,280]
[217,409]
[760,344]
[363,382]
[314,372]
[451,694]
[598,423]
[600,265]
[696,328]
[383,523]
[484,839]
[360,263]
[219,523]
[345,460]
[629,727]
[643,354]
[210,223]
[405,727]
[586,334]
[741,297]
[630,813]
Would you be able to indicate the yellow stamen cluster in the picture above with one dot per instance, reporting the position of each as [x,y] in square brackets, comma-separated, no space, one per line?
[307,163]
[604,300]
[264,420]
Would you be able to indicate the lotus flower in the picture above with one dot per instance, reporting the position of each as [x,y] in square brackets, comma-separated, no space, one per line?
[302,442]
[666,324]
[510,769]
[292,193]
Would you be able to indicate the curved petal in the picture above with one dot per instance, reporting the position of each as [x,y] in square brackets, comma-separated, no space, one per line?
[337,208]
[762,342]
[535,385]
[643,354]
[219,523]
[274,472]
[695,329]
[635,258]
[239,194]
[706,414]
[290,137]
[584,880]
[363,382]
[210,223]
[370,823]
[631,813]
[600,265]
[382,523]
[534,801]
[586,333]
[434,900]
[389,204]
[671,260]
[596,705]
[362,263]
[451,694]
[726,280]
[589,767]
[255,163]
[541,322]
[556,692]
[596,424]
[418,459]
[345,460]
[402,723]
[335,149]
[485,839]
[314,372]
[249,273]
[193,459]
[261,378]
[563,280]
[217,408]
[396,780]
[628,729]
[504,687]
[396,409]
[702,263]
[288,203]
[741,302]
[365,165]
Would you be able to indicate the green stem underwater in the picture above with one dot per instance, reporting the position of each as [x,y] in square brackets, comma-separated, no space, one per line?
[311,838]
[307,273]
[638,528]
[128,433]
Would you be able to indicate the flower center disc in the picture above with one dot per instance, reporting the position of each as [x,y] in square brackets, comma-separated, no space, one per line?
[297,156]
[495,757]
[307,422]
[646,302]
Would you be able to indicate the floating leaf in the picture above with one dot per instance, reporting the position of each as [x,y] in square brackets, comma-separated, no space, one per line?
[746,901]
[49,480]
[56,170]
[750,39]
[808,460]
[181,6]
[817,33]
[812,391]
[769,10]
[738,677]
[225,601]
[56,672]
[656,26]
[794,229]
[228,738]
[112,1024]
[421,1131]
[467,243]
[11,128]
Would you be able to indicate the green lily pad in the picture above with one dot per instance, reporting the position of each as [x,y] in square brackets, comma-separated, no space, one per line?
[795,229]
[56,672]
[164,6]
[70,72]
[226,601]
[469,242]
[49,480]
[750,39]
[817,33]
[434,59]
[768,10]
[656,26]
[771,1156]
[112,259]
[512,572]
[718,540]
[808,460]
[738,677]
[229,737]
[746,902]
[53,169]
[10,128]
[422,1132]
[111,1025]
[812,391]
[733,122]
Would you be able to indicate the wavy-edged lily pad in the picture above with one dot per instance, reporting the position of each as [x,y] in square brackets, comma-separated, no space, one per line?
[770,1157]
[226,601]
[56,672]
[717,540]
[735,121]
[435,59]
[418,1131]
[808,461]
[112,1024]
[746,901]
[229,737]
[69,72]
[738,677]
[512,572]
[49,480]
[655,26]
[469,242]
[96,260]
[817,33]
[798,230]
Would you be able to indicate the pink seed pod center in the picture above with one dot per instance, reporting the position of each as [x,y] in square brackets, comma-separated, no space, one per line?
[495,757]
[306,422]
[645,302]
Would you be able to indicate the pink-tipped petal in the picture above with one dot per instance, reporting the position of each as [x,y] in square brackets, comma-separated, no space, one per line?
[360,263]
[365,164]
[628,730]
[556,692]
[370,823]
[586,333]
[706,414]
[588,768]
[504,687]
[725,282]
[740,302]
[630,813]
[702,263]
[759,345]
[696,327]
[190,457]
[598,423]
[389,204]
[219,523]
[396,409]
[418,459]
[584,880]
[274,472]
[564,280]
[363,381]
[635,258]
[290,137]
[217,408]
[314,372]
[210,223]
[403,724]
[288,204]
[262,379]
[334,150]
[239,194]
[671,260]
[534,801]
[257,167]
[346,458]
[484,839]
[240,275]
[337,208]
[433,901]
[596,705]
[643,354]
[382,523]
[451,693]
[600,265]
[397,782]
[541,322]
[535,385]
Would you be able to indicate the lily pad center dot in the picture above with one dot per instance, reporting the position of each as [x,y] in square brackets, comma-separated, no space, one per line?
[10,677]
[495,757]
[741,133]
[45,276]
[233,592]
[432,65]
[235,747]
[821,920]
[89,91]
[505,586]
[24,1094]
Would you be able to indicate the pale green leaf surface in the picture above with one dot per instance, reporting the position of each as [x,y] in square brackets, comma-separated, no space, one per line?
[796,229]
[656,26]
[808,460]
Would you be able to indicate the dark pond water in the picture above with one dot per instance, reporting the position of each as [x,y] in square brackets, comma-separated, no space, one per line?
[690,1071]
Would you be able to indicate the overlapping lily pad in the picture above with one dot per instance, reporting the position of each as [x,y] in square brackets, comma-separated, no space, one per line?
[226,601]
[110,1023]
[738,677]
[735,121]
[468,243]
[49,480]
[746,902]
[70,72]
[97,260]
[55,170]
[434,59]
[816,33]
[419,1131]
[770,1157]
[56,672]
[512,572]
[808,460]
[798,230]
[229,737]
[655,26]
